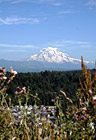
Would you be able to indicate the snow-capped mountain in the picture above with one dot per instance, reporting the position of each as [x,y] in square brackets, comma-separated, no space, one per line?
[53,55]
[47,59]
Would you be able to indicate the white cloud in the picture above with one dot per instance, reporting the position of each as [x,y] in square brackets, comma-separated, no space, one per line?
[52,2]
[28,0]
[18,20]
[56,4]
[60,43]
[14,50]
[67,12]
[75,42]
[75,48]
[91,2]
[70,43]
[33,1]
[16,46]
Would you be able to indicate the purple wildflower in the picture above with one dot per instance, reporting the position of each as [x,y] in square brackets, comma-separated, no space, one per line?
[16,92]
[75,116]
[84,116]
[24,90]
[90,91]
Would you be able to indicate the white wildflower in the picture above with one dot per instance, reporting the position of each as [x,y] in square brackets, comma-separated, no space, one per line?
[94,97]
[12,71]
[4,78]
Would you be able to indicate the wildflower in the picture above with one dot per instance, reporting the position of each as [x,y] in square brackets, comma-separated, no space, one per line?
[11,77]
[94,97]
[2,70]
[82,103]
[84,109]
[56,98]
[84,116]
[49,124]
[52,100]
[83,139]
[16,92]
[4,78]
[61,131]
[90,91]
[75,116]
[13,72]
[58,138]
[18,88]
[24,89]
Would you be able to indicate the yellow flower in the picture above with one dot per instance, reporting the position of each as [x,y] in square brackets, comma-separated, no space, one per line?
[83,139]
[50,124]
[61,131]
[58,138]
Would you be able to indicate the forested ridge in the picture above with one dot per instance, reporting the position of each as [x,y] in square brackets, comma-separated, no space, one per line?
[46,84]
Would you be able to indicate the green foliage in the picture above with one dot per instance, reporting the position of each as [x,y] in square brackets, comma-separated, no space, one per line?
[47,84]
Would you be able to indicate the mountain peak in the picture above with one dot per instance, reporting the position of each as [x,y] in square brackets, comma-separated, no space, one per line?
[52,55]
[49,50]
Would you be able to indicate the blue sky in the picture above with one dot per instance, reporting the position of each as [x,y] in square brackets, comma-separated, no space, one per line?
[26,26]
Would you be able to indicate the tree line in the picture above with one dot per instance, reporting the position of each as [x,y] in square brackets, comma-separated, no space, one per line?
[46,84]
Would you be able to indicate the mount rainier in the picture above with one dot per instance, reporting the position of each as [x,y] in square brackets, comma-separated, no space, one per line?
[46,59]
[53,55]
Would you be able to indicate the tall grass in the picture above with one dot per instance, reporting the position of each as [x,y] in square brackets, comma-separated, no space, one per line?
[77,122]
